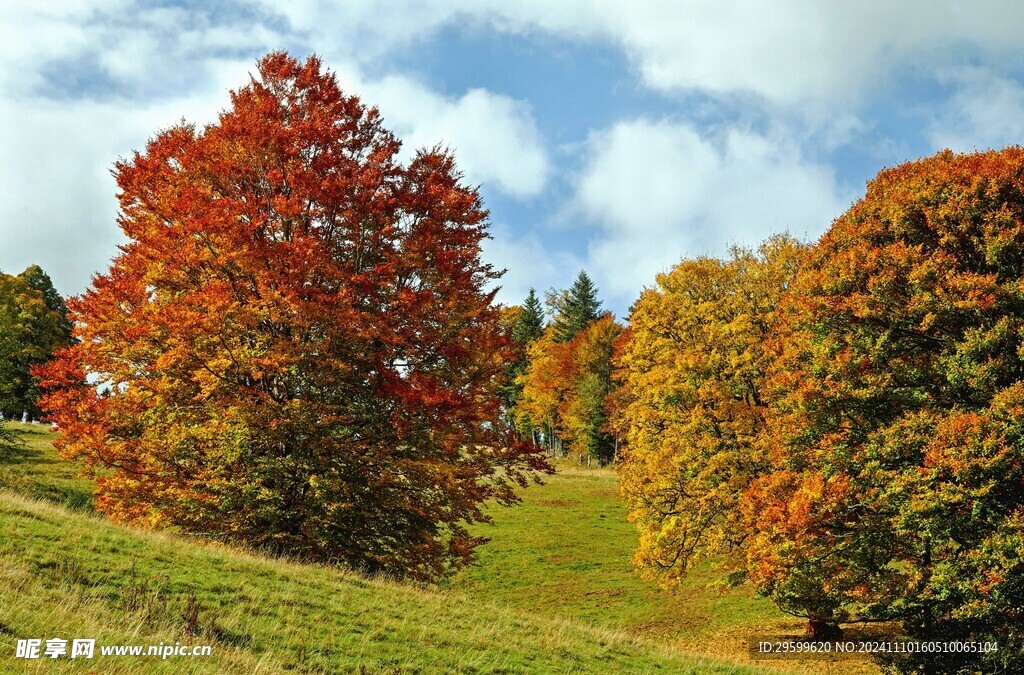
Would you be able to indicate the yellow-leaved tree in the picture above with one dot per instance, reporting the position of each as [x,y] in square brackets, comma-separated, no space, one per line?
[692,403]
[565,389]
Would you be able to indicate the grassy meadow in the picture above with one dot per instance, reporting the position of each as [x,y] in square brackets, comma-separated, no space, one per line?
[553,591]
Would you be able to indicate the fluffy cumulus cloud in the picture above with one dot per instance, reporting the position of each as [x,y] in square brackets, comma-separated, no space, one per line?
[800,52]
[23,27]
[494,137]
[660,191]
[788,52]
[57,196]
[86,82]
[76,94]
[655,191]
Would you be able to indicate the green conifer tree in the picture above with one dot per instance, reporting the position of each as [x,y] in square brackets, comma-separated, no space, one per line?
[530,324]
[576,309]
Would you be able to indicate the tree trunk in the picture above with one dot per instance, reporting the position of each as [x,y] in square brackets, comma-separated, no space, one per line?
[823,630]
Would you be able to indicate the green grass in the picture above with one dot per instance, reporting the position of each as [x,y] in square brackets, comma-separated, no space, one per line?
[566,551]
[35,470]
[553,591]
[67,573]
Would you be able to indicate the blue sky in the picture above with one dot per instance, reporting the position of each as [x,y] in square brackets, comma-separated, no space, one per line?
[618,137]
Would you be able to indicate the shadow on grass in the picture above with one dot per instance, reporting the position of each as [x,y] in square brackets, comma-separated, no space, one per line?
[13,449]
[29,471]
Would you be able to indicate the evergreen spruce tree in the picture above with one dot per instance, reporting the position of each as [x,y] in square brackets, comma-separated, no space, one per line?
[530,324]
[577,309]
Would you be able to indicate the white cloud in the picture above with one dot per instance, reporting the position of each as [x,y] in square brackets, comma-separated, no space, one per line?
[145,69]
[57,197]
[529,261]
[986,111]
[60,138]
[494,137]
[795,52]
[661,191]
[32,33]
[789,52]
[656,190]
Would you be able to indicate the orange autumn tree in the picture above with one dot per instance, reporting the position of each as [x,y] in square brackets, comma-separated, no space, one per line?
[296,348]
[583,412]
[565,389]
[544,384]
[692,405]
[897,431]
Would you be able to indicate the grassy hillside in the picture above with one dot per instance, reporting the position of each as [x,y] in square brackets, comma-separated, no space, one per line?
[553,591]
[65,574]
[566,552]
[70,574]
[35,470]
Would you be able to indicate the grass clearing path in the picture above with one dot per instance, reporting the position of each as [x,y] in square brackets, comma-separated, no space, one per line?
[566,552]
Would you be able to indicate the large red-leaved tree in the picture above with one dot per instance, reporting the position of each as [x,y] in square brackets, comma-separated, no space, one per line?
[296,348]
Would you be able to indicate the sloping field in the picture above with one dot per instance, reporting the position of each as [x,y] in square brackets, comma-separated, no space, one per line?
[69,574]
[566,552]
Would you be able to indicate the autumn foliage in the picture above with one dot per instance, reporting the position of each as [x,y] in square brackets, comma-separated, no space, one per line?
[566,385]
[898,432]
[692,407]
[850,437]
[584,413]
[295,348]
[562,380]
